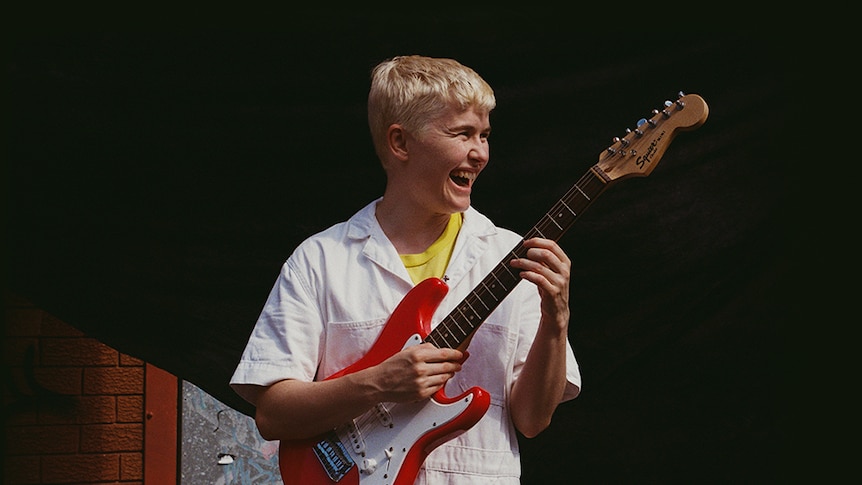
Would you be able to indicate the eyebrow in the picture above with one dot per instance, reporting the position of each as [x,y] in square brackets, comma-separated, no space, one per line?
[467,127]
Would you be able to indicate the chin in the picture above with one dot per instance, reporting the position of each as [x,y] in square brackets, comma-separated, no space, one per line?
[461,208]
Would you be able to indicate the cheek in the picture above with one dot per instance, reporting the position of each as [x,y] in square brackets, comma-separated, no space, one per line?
[440,163]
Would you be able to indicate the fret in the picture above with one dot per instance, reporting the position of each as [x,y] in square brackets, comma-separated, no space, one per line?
[574,214]
[481,300]
[554,221]
[503,287]
[582,192]
[519,252]
[440,332]
[453,336]
[460,329]
[506,266]
[461,312]
[477,315]
[433,338]
[489,291]
[498,284]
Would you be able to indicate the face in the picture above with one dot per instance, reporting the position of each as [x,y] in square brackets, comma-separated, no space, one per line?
[445,160]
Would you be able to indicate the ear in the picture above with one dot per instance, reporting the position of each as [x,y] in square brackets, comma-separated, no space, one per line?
[396,139]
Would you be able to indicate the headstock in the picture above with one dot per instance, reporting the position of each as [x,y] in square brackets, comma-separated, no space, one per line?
[638,152]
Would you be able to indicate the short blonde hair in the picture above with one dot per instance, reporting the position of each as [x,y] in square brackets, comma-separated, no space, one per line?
[413,90]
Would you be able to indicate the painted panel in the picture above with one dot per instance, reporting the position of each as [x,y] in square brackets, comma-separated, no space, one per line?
[221,446]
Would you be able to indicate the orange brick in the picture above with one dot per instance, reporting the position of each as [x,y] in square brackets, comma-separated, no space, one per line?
[22,470]
[130,409]
[54,327]
[58,409]
[131,466]
[100,438]
[80,468]
[77,352]
[97,409]
[31,440]
[62,380]
[114,380]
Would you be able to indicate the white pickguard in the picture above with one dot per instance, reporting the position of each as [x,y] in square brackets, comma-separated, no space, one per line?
[379,440]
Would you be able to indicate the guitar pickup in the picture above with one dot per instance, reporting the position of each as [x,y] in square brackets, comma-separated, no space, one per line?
[354,438]
[383,415]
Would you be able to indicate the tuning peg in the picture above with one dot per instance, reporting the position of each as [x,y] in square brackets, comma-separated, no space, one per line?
[665,112]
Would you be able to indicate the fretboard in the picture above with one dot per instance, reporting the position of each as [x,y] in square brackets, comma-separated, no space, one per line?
[457,327]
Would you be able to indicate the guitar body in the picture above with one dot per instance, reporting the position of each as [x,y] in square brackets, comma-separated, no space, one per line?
[389,443]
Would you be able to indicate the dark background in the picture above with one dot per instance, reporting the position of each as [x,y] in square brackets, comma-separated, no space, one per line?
[156,180]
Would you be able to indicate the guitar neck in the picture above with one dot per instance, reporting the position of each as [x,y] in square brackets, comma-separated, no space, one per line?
[459,325]
[635,154]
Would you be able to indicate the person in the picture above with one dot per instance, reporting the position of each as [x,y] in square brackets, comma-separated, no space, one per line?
[430,125]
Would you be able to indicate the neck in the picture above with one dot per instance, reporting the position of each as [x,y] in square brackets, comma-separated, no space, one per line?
[410,229]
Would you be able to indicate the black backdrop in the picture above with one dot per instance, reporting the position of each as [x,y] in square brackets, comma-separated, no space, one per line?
[156,181]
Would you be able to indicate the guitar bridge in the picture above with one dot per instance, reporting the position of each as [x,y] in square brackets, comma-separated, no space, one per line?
[333,456]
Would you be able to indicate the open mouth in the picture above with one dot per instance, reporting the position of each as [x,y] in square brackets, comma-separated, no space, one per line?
[462,178]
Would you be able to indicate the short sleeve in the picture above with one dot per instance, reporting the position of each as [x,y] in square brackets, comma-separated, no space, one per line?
[286,340]
[529,325]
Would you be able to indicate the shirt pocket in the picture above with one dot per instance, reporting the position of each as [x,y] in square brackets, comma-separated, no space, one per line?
[347,342]
[487,365]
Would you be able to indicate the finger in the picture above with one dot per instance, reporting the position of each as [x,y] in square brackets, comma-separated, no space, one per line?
[548,245]
[542,262]
[430,353]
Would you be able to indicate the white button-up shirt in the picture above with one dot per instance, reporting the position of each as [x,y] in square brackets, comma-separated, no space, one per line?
[334,295]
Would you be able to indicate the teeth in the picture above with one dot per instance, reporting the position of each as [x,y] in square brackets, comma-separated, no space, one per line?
[464,174]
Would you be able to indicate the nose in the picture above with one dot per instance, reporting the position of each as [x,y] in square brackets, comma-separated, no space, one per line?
[480,153]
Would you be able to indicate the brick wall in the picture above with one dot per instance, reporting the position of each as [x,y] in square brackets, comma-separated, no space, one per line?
[73,406]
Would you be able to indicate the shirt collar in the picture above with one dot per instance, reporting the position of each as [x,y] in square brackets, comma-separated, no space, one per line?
[364,223]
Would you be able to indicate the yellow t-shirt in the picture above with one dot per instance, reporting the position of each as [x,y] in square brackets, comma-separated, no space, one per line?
[434,260]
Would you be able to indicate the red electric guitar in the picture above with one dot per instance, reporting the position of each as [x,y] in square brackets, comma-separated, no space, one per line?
[387,445]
